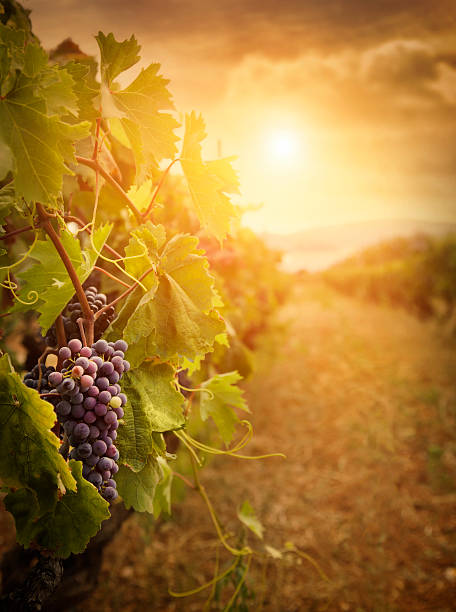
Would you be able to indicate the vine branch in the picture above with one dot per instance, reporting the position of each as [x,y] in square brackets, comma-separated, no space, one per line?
[90,163]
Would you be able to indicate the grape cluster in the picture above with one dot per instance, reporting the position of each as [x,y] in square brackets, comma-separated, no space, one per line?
[73,312]
[90,403]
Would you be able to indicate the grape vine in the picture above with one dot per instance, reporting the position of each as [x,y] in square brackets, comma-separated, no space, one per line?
[71,443]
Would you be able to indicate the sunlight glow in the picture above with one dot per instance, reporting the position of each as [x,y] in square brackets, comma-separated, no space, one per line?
[283,144]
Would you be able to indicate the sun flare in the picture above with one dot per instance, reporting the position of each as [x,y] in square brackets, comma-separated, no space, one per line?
[282,145]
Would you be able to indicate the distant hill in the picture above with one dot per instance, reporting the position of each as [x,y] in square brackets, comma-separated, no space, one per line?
[317,248]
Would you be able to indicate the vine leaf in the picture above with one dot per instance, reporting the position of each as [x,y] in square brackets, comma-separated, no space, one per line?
[138,106]
[137,489]
[246,514]
[224,394]
[49,277]
[29,454]
[116,56]
[162,499]
[154,405]
[175,318]
[208,182]
[69,526]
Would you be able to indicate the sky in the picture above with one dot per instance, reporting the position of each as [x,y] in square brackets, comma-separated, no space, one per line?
[338,110]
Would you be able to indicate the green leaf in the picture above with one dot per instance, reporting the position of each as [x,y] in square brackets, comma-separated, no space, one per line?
[175,319]
[35,59]
[137,489]
[49,277]
[29,454]
[162,499]
[154,405]
[116,56]
[208,181]
[41,145]
[246,514]
[139,106]
[86,87]
[223,394]
[68,528]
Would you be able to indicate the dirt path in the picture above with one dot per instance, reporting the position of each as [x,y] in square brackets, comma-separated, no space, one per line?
[363,402]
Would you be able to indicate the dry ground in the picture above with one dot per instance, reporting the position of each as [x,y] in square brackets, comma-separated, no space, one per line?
[362,399]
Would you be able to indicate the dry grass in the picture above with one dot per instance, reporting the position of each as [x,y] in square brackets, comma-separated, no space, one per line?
[363,402]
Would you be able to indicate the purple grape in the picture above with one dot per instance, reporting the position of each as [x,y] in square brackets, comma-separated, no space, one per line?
[67,385]
[63,408]
[126,365]
[111,451]
[77,398]
[106,475]
[120,354]
[114,377]
[64,353]
[101,424]
[104,464]
[81,431]
[102,383]
[109,352]
[106,369]
[86,381]
[94,432]
[83,362]
[111,418]
[55,378]
[93,391]
[101,346]
[85,471]
[86,351]
[90,417]
[121,345]
[123,397]
[68,427]
[77,411]
[119,412]
[111,483]
[110,494]
[91,369]
[108,441]
[75,345]
[99,447]
[84,450]
[115,468]
[100,410]
[113,435]
[104,397]
[97,360]
[95,478]
[112,390]
[92,460]
[89,403]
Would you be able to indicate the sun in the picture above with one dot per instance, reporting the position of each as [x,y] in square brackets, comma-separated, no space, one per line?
[282,145]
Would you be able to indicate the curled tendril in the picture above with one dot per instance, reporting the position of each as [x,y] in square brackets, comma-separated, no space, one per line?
[232,452]
[207,584]
[23,258]
[12,286]
[197,389]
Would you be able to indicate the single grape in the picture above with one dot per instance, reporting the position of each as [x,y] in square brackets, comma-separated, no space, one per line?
[102,383]
[106,369]
[93,391]
[55,378]
[63,408]
[110,494]
[104,397]
[111,418]
[100,409]
[64,353]
[95,478]
[77,398]
[99,447]
[120,345]
[83,362]
[114,377]
[101,346]
[81,431]
[86,351]
[123,397]
[89,417]
[89,403]
[75,345]
[77,372]
[104,464]
[77,411]
[119,413]
[86,381]
[111,451]
[92,460]
[94,432]
[84,450]
[115,402]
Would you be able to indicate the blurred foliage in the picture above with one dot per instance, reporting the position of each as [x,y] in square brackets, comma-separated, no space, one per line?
[417,273]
